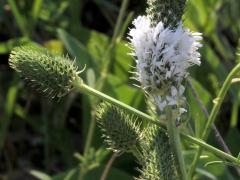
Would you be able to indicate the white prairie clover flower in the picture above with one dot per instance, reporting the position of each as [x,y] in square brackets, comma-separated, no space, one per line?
[163,56]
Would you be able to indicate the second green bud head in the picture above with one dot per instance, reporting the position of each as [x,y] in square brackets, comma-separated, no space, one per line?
[120,130]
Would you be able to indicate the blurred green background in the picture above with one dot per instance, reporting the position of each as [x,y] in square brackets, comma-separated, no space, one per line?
[49,136]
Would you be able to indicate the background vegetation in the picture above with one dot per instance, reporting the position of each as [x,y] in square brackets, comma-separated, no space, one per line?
[50,136]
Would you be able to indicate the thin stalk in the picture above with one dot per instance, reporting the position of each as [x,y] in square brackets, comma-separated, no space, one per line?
[213,115]
[90,91]
[175,142]
[108,166]
[211,149]
[125,25]
[218,136]
[91,130]
[107,64]
[120,20]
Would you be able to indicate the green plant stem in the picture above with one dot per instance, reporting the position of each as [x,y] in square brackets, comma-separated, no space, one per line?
[120,20]
[90,132]
[211,149]
[213,115]
[90,91]
[218,136]
[108,64]
[85,88]
[125,26]
[175,143]
[108,166]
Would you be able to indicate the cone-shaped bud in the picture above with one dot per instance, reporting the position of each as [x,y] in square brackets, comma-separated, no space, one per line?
[52,75]
[167,11]
[158,161]
[120,130]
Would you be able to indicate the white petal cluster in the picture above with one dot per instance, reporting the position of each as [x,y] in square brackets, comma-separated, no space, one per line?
[163,56]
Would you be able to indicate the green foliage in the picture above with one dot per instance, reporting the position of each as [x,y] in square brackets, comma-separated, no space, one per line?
[120,130]
[50,74]
[169,12]
[92,159]
[60,129]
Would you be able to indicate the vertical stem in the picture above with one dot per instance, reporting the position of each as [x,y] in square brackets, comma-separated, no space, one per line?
[175,142]
[120,20]
[108,166]
[213,115]
[107,64]
[91,130]
[218,136]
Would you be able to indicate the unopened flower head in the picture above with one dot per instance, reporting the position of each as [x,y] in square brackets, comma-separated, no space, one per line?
[163,56]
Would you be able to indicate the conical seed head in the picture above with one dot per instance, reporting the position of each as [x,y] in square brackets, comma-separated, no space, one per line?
[52,75]
[158,160]
[120,130]
[168,11]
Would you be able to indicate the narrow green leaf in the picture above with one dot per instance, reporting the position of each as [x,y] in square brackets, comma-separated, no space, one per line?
[234,115]
[8,112]
[37,4]
[76,49]
[20,19]
[206,174]
[40,175]
[196,112]
[91,78]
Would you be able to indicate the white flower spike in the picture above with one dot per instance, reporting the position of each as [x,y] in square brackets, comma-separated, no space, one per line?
[163,56]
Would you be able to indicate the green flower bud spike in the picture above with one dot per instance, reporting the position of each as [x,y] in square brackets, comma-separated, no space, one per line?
[120,130]
[52,75]
[168,11]
[158,160]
